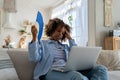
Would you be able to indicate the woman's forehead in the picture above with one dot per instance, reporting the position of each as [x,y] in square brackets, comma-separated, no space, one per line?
[60,28]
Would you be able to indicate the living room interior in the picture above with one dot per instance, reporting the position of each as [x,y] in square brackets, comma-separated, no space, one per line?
[13,22]
[100,17]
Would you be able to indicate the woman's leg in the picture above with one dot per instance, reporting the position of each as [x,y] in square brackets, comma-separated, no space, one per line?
[98,73]
[72,75]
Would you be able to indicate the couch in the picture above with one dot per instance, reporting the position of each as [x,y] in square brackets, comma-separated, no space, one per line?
[22,69]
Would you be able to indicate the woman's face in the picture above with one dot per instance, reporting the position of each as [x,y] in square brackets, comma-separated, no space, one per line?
[58,34]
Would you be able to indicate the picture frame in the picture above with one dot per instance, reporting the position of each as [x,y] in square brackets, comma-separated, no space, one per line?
[108,21]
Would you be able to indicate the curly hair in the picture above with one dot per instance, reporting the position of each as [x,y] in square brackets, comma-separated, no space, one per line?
[53,24]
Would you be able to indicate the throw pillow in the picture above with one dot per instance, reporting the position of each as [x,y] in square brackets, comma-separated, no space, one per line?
[110,59]
[23,66]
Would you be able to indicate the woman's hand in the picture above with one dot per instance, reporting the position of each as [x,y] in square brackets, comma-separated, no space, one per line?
[67,34]
[34,33]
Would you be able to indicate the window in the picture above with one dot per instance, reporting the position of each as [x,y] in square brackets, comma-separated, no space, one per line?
[75,13]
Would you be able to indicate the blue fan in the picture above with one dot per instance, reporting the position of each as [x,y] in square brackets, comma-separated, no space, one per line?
[39,19]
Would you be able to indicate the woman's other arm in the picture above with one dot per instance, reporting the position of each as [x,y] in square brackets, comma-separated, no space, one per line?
[71,41]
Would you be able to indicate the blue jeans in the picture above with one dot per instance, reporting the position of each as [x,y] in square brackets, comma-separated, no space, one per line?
[97,73]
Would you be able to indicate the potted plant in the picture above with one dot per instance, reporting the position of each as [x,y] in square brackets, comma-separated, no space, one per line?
[118,24]
[22,31]
[70,19]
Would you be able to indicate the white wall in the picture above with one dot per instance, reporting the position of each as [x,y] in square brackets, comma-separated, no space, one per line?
[25,11]
[101,30]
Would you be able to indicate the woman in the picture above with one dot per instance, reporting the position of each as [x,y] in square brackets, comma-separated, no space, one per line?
[52,53]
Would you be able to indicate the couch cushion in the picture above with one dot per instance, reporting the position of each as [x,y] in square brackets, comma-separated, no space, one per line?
[7,70]
[23,66]
[110,58]
[114,75]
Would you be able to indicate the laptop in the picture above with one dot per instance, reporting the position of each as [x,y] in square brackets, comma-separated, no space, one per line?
[81,58]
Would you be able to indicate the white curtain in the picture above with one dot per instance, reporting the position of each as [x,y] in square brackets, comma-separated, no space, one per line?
[79,12]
